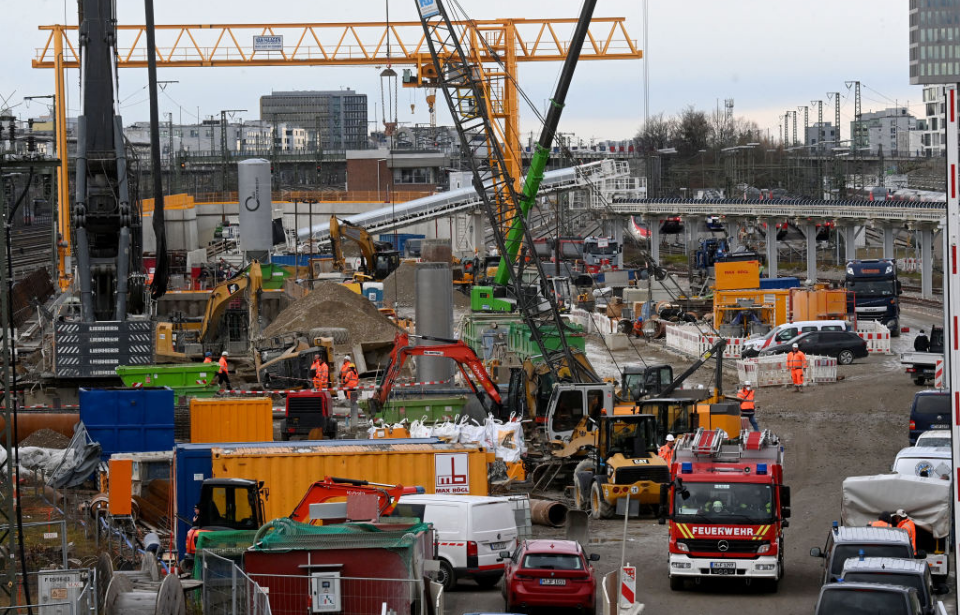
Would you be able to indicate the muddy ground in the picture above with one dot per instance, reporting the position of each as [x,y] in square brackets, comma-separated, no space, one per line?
[853,427]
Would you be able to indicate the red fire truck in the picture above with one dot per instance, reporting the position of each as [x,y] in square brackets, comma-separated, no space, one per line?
[727,507]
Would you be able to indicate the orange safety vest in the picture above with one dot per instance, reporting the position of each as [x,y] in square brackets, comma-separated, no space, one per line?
[911,529]
[879,523]
[666,453]
[796,359]
[321,376]
[349,377]
[746,397]
[223,366]
[207,360]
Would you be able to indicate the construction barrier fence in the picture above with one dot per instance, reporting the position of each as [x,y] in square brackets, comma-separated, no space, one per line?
[877,336]
[772,370]
[689,339]
[593,322]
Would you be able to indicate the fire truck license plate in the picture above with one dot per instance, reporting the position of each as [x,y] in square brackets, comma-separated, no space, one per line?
[553,581]
[723,568]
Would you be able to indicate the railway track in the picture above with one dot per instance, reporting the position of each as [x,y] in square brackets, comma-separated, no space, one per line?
[30,248]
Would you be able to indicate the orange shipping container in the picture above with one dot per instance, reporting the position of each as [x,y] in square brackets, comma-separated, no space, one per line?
[823,304]
[737,275]
[231,420]
[287,470]
[121,487]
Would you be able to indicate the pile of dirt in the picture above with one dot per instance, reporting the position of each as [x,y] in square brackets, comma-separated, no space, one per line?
[334,305]
[399,288]
[46,438]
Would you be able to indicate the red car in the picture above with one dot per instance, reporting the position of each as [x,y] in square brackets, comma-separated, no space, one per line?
[549,573]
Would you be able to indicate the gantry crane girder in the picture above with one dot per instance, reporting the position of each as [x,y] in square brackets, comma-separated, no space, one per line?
[497,46]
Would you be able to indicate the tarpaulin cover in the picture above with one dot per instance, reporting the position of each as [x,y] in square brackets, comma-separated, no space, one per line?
[926,500]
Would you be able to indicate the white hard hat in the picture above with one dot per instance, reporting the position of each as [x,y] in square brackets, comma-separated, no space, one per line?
[670,437]
[346,357]
[747,383]
[224,354]
[795,345]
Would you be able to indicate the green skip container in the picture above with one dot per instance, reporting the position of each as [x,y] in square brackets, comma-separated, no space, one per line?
[428,410]
[186,379]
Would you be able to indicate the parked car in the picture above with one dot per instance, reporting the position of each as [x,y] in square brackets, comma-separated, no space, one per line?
[845,346]
[786,332]
[929,461]
[851,598]
[935,438]
[930,410]
[846,542]
[892,571]
[471,531]
[550,573]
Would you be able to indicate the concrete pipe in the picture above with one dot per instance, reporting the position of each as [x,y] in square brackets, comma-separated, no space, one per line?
[29,422]
[548,513]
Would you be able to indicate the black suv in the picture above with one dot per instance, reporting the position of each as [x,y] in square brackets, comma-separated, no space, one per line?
[845,346]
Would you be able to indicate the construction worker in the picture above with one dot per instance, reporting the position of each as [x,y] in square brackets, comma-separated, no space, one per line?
[883,520]
[796,362]
[748,407]
[350,380]
[666,451]
[921,343]
[321,373]
[208,357]
[904,522]
[223,374]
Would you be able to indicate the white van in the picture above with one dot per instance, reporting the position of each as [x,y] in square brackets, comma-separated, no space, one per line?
[929,461]
[751,347]
[471,531]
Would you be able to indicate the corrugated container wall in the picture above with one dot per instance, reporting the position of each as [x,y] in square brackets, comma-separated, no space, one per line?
[231,420]
[128,420]
[287,471]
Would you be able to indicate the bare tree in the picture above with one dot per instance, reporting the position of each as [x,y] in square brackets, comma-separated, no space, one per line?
[654,135]
[692,131]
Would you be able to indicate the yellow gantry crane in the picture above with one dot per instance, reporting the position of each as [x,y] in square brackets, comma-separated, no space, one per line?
[496,46]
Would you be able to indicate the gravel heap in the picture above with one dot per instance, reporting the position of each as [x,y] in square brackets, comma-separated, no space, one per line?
[46,438]
[334,305]
[400,288]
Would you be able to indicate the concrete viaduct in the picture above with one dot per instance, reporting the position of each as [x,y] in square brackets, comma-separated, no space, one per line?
[922,217]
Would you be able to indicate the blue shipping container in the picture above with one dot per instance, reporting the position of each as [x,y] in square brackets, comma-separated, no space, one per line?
[291,260]
[779,283]
[399,241]
[193,463]
[128,420]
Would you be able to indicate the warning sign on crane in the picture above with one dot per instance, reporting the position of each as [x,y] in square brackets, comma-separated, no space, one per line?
[452,471]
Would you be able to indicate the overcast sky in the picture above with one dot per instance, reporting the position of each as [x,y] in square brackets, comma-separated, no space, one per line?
[767,55]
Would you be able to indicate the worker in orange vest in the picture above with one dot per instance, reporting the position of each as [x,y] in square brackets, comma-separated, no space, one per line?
[796,362]
[748,406]
[223,374]
[884,520]
[208,357]
[321,373]
[666,451]
[904,522]
[350,380]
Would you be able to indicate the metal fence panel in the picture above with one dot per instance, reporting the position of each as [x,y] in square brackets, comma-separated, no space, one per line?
[327,592]
[228,591]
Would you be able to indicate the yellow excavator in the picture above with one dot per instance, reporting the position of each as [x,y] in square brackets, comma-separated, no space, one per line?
[379,261]
[173,338]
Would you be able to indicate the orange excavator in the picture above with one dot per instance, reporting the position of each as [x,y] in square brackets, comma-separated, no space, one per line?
[237,504]
[466,359]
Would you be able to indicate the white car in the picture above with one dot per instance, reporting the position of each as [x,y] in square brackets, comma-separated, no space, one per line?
[930,461]
[935,437]
[784,333]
